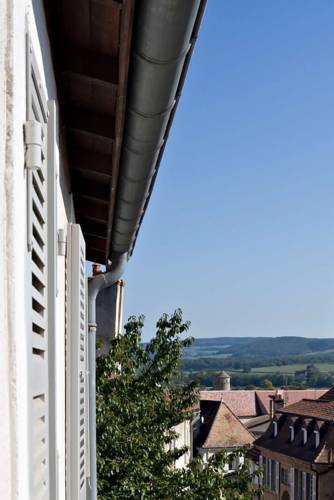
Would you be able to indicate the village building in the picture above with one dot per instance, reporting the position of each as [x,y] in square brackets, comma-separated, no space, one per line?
[296,451]
[255,408]
[218,429]
[184,432]
[222,381]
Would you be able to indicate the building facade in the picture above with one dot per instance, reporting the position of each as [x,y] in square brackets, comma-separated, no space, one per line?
[218,429]
[255,408]
[296,452]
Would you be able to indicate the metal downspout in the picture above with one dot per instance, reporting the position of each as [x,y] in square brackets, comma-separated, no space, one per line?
[95,285]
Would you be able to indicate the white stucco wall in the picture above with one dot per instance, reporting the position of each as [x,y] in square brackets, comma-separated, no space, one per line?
[15,17]
[183,431]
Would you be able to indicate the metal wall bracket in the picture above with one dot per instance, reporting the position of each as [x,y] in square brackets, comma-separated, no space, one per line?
[33,138]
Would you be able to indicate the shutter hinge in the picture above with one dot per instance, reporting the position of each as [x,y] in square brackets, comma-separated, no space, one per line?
[62,242]
[33,139]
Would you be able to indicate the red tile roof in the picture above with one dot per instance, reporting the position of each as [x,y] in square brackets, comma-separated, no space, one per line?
[291,396]
[254,403]
[314,408]
[328,396]
[312,414]
[242,403]
[221,428]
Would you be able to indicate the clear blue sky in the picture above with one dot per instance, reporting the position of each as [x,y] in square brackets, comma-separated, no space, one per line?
[240,228]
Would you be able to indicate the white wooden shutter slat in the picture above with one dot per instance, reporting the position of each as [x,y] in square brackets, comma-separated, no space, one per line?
[40,457]
[36,271]
[39,410]
[38,256]
[76,364]
[39,187]
[38,227]
[38,297]
[38,373]
[38,208]
[38,341]
[37,320]
[38,335]
[38,204]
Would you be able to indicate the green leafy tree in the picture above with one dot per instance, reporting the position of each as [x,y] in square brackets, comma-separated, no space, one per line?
[138,404]
[267,384]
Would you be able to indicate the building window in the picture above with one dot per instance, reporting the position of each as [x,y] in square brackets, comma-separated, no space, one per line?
[298,483]
[317,438]
[270,473]
[292,433]
[275,429]
[266,471]
[285,476]
[304,433]
[273,476]
[310,487]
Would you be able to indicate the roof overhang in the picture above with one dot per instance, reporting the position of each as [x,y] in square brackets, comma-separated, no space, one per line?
[91,45]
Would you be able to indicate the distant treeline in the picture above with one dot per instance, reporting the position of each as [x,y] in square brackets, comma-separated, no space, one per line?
[246,363]
[262,346]
[310,377]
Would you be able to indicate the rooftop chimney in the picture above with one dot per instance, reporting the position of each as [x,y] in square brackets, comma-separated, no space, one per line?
[276,403]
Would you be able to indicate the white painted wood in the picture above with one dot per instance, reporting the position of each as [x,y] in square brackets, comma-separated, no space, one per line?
[38,355]
[76,345]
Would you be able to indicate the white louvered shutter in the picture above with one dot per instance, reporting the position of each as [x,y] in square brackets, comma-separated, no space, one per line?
[52,161]
[76,439]
[35,132]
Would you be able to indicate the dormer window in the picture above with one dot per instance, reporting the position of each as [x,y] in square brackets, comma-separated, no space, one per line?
[317,438]
[292,433]
[304,434]
[275,429]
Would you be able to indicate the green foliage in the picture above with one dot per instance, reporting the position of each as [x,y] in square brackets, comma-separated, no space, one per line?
[267,384]
[138,404]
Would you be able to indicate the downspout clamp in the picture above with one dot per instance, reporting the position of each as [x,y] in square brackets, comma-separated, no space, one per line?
[95,285]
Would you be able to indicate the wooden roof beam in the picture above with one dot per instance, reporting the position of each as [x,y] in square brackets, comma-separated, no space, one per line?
[90,121]
[88,161]
[89,64]
[90,209]
[91,189]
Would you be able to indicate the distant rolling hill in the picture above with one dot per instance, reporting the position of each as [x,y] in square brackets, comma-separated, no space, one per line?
[223,347]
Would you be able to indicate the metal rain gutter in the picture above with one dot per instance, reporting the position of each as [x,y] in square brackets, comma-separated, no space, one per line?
[164,35]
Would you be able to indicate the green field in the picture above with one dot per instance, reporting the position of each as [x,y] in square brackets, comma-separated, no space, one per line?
[291,369]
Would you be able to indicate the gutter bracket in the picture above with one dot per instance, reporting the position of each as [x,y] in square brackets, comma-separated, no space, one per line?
[62,242]
[33,140]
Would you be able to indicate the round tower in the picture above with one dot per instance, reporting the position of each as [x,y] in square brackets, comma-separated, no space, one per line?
[223,381]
